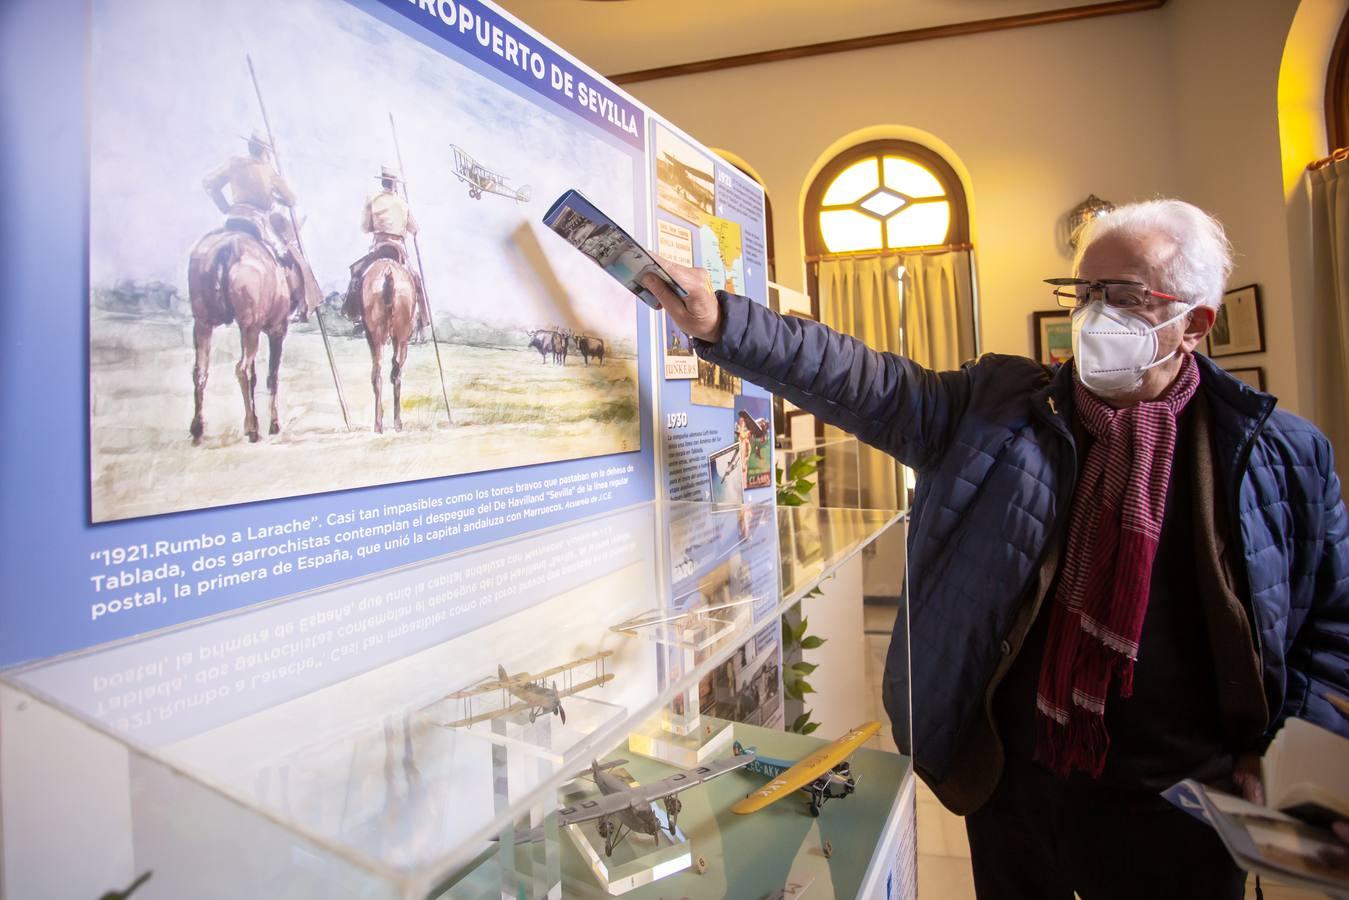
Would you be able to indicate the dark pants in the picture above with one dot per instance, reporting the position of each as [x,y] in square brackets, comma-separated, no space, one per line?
[1042,838]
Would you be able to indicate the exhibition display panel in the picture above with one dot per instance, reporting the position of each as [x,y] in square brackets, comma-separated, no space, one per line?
[374,739]
[365,539]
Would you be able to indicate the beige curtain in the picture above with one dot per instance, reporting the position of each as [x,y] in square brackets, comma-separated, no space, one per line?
[917,305]
[1330,253]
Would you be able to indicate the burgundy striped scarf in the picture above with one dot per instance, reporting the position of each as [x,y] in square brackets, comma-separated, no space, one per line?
[1102,597]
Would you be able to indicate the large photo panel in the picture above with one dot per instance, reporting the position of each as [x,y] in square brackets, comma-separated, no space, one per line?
[718,436]
[282,271]
[253,164]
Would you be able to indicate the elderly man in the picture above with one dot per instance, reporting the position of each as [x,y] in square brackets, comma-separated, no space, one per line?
[1123,572]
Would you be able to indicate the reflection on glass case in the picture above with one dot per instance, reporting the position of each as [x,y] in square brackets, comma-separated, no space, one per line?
[423,733]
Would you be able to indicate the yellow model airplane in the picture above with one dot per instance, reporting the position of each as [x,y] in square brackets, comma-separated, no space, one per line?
[824,775]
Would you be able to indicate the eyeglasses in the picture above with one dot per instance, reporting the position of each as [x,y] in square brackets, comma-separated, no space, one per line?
[1073,293]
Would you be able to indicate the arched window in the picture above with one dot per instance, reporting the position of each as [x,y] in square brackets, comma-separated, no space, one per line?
[1337,90]
[890,199]
[885,195]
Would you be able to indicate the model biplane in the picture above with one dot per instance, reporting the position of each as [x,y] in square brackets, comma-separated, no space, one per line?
[623,808]
[681,619]
[482,180]
[532,694]
[824,775]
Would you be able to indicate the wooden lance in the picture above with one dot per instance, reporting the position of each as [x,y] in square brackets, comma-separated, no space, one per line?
[430,320]
[318,311]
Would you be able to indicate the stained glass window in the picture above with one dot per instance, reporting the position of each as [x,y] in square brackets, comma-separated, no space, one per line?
[886,195]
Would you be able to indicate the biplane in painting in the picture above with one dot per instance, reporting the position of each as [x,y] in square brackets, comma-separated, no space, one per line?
[482,180]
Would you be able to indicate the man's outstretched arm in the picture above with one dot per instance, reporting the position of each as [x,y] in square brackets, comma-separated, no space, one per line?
[887,401]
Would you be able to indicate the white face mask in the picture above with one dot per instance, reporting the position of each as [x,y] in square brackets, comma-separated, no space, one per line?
[1113,348]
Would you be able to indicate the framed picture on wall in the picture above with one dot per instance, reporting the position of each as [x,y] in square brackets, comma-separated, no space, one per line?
[1254,376]
[1239,327]
[1053,336]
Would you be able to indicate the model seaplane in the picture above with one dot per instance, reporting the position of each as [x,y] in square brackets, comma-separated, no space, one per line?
[482,180]
[534,694]
[824,775]
[623,808]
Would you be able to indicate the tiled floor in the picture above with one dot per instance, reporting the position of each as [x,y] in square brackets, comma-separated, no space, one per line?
[943,850]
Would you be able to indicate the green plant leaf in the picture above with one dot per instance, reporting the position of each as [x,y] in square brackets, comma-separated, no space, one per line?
[794,691]
[805,687]
[812,642]
[807,729]
[804,668]
[801,721]
[804,465]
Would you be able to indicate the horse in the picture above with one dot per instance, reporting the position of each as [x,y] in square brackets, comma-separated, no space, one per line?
[388,307]
[233,277]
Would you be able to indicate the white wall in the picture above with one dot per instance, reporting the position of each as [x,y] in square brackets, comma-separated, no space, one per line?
[1177,101]
[1302,137]
[841,699]
[1225,59]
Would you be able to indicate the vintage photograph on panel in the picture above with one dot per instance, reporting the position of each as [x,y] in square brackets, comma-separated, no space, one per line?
[674,242]
[680,359]
[684,178]
[726,475]
[752,433]
[714,386]
[280,300]
[748,686]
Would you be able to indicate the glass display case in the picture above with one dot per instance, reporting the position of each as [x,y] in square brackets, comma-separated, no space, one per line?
[415,734]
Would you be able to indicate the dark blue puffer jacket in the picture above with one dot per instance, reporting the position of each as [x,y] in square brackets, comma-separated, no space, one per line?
[996,465]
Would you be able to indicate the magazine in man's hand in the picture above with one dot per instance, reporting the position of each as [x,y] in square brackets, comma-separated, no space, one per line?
[1266,841]
[581,224]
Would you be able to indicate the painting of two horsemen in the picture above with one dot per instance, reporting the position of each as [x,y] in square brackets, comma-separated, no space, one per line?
[435,369]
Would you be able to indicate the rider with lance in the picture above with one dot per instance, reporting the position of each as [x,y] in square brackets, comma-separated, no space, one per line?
[388,220]
[254,184]
[256,187]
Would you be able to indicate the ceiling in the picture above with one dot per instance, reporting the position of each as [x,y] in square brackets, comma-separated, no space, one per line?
[626,35]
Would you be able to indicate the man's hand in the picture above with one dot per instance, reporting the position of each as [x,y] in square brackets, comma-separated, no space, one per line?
[698,314]
[1246,776]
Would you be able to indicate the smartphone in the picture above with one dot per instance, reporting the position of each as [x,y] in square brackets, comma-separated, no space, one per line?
[611,248]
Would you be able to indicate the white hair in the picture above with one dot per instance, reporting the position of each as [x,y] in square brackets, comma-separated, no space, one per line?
[1197,271]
